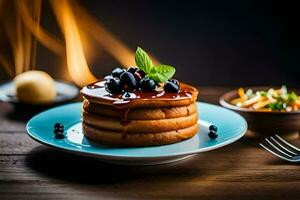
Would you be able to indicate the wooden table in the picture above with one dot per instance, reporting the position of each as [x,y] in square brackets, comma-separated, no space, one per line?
[241,170]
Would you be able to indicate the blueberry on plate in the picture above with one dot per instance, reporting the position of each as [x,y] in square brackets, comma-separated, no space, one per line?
[212,134]
[59,136]
[171,87]
[147,84]
[132,69]
[128,82]
[58,126]
[58,131]
[113,85]
[213,128]
[117,72]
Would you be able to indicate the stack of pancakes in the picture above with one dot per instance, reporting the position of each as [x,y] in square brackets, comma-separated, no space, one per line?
[141,120]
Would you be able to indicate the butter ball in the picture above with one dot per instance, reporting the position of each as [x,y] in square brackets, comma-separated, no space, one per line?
[35,87]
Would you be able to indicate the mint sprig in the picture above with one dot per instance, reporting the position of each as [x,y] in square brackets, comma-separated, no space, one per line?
[160,73]
[143,61]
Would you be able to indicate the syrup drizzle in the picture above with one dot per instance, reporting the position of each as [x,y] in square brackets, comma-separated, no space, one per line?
[124,121]
[124,117]
[97,90]
[95,85]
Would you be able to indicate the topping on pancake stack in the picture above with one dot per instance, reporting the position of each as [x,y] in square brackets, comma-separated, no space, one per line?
[140,106]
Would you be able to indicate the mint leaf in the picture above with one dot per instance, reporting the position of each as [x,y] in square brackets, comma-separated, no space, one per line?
[157,77]
[162,73]
[143,61]
[159,73]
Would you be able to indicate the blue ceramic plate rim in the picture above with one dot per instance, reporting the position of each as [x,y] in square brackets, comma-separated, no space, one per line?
[70,148]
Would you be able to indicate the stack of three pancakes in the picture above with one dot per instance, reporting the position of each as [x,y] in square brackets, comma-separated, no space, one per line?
[145,120]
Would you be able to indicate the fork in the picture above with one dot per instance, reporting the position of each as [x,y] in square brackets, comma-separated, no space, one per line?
[281,148]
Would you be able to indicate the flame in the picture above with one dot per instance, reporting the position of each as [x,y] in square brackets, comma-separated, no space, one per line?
[76,62]
[20,38]
[32,23]
[105,38]
[81,32]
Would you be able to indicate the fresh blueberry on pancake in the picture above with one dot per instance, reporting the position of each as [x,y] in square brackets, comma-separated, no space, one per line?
[141,73]
[117,72]
[128,81]
[176,82]
[137,76]
[108,77]
[140,106]
[147,84]
[113,85]
[132,69]
[171,87]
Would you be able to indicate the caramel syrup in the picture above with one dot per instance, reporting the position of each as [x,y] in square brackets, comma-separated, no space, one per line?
[124,117]
[95,85]
[97,90]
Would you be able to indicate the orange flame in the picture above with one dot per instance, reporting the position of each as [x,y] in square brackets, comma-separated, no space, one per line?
[23,30]
[77,65]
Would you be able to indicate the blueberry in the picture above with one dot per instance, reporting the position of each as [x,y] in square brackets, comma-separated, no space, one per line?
[117,72]
[147,84]
[212,134]
[141,73]
[213,128]
[58,131]
[137,77]
[113,86]
[174,81]
[107,77]
[58,125]
[171,87]
[128,81]
[132,69]
[59,136]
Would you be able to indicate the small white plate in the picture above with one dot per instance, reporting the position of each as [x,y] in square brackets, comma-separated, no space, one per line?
[65,92]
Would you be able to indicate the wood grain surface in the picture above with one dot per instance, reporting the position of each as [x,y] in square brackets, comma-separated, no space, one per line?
[241,170]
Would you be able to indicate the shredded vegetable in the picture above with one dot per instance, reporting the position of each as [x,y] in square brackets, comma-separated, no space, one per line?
[268,100]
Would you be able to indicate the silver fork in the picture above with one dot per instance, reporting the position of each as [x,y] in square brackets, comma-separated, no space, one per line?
[281,148]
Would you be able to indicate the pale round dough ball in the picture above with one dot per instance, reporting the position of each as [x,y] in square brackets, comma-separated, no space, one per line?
[35,87]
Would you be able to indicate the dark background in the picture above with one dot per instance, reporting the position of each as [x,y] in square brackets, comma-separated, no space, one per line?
[209,42]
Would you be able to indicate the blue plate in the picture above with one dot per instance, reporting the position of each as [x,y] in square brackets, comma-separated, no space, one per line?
[231,127]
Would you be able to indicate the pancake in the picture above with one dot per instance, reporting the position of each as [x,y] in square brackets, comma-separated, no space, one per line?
[139,118]
[96,93]
[139,126]
[139,113]
[138,139]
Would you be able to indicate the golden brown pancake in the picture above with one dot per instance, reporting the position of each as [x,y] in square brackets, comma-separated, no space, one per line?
[139,113]
[142,126]
[138,139]
[139,118]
